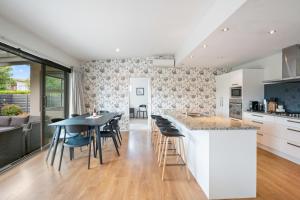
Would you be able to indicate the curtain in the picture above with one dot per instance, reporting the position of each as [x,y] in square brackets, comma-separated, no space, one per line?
[77,99]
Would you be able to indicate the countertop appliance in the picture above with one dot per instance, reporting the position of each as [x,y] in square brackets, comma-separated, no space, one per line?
[254,106]
[236,92]
[235,108]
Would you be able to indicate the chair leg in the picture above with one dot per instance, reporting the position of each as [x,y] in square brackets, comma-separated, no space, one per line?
[165,159]
[184,158]
[119,139]
[61,155]
[164,146]
[50,147]
[70,150]
[94,148]
[116,144]
[89,162]
[159,147]
[120,134]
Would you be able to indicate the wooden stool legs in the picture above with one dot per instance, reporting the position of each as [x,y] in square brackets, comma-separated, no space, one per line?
[181,153]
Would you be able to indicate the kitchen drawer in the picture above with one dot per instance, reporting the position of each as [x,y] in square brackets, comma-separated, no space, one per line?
[292,148]
[292,134]
[258,117]
[273,142]
[288,122]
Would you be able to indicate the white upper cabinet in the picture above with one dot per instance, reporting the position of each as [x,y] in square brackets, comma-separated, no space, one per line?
[236,78]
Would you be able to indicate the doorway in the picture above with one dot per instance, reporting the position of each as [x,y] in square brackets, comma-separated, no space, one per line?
[139,103]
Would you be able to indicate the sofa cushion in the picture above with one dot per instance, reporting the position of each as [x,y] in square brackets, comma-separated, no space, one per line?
[5,120]
[19,121]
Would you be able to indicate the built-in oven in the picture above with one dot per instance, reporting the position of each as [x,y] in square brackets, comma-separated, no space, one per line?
[236,92]
[235,108]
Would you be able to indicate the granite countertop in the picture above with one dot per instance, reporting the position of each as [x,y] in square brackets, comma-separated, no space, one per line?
[210,122]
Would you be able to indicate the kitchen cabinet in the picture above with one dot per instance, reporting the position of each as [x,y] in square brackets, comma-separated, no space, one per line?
[251,81]
[280,135]
[236,78]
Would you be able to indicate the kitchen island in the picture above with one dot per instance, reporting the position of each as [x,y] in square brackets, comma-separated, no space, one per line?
[221,154]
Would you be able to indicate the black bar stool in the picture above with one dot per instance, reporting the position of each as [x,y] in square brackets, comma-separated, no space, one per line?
[169,134]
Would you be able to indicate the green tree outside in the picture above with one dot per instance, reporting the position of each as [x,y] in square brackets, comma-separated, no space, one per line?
[5,77]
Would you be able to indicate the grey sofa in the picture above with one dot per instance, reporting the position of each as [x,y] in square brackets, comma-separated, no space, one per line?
[18,136]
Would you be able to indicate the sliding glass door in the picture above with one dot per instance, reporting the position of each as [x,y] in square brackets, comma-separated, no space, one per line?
[54,97]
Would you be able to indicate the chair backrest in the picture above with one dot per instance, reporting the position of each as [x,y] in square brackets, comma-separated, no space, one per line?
[143,107]
[56,120]
[76,128]
[74,115]
[102,112]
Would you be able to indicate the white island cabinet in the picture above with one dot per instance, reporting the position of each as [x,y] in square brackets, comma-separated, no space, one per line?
[221,155]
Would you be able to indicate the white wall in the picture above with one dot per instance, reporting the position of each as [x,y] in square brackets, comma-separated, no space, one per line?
[136,100]
[18,37]
[272,66]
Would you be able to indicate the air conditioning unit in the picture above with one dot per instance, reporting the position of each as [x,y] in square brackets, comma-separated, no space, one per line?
[160,62]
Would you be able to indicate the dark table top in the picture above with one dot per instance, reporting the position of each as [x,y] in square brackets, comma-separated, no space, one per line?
[83,120]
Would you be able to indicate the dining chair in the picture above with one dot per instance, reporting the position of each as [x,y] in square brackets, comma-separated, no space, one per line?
[78,141]
[74,115]
[102,112]
[142,109]
[54,137]
[109,132]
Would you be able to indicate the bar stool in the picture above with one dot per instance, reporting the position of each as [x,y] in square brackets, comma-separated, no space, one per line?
[161,124]
[169,134]
[169,129]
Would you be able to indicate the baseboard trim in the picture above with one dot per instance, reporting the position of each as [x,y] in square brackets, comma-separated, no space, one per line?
[279,153]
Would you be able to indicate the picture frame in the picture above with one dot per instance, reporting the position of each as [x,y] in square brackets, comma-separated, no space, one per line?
[140,91]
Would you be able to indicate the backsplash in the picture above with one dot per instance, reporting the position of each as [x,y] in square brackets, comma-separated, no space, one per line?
[106,84]
[288,94]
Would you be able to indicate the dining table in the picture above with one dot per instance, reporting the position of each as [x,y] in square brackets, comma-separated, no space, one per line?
[94,122]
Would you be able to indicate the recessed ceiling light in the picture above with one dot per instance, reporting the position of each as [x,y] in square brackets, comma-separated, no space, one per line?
[204,46]
[225,29]
[273,31]
[117,50]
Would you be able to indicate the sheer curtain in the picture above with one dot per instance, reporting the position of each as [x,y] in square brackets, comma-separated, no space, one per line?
[77,99]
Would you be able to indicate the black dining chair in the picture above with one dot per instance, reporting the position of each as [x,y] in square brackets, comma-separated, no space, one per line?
[102,112]
[78,141]
[118,129]
[142,109]
[109,132]
[74,115]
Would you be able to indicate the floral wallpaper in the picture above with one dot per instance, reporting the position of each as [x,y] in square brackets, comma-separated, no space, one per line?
[106,85]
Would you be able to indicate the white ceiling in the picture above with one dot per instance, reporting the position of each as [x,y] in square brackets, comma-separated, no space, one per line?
[248,37]
[89,30]
[93,29]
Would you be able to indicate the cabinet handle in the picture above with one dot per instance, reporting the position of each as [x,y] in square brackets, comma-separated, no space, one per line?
[257,122]
[234,84]
[260,134]
[257,115]
[293,121]
[290,129]
[293,144]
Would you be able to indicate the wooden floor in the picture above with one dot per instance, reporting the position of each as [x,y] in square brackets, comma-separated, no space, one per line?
[133,175]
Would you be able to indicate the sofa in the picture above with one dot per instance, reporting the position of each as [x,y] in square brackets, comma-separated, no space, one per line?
[19,135]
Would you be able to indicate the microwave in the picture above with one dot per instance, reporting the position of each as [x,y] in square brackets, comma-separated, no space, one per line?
[236,92]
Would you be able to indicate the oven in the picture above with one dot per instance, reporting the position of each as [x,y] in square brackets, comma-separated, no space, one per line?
[235,108]
[236,92]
